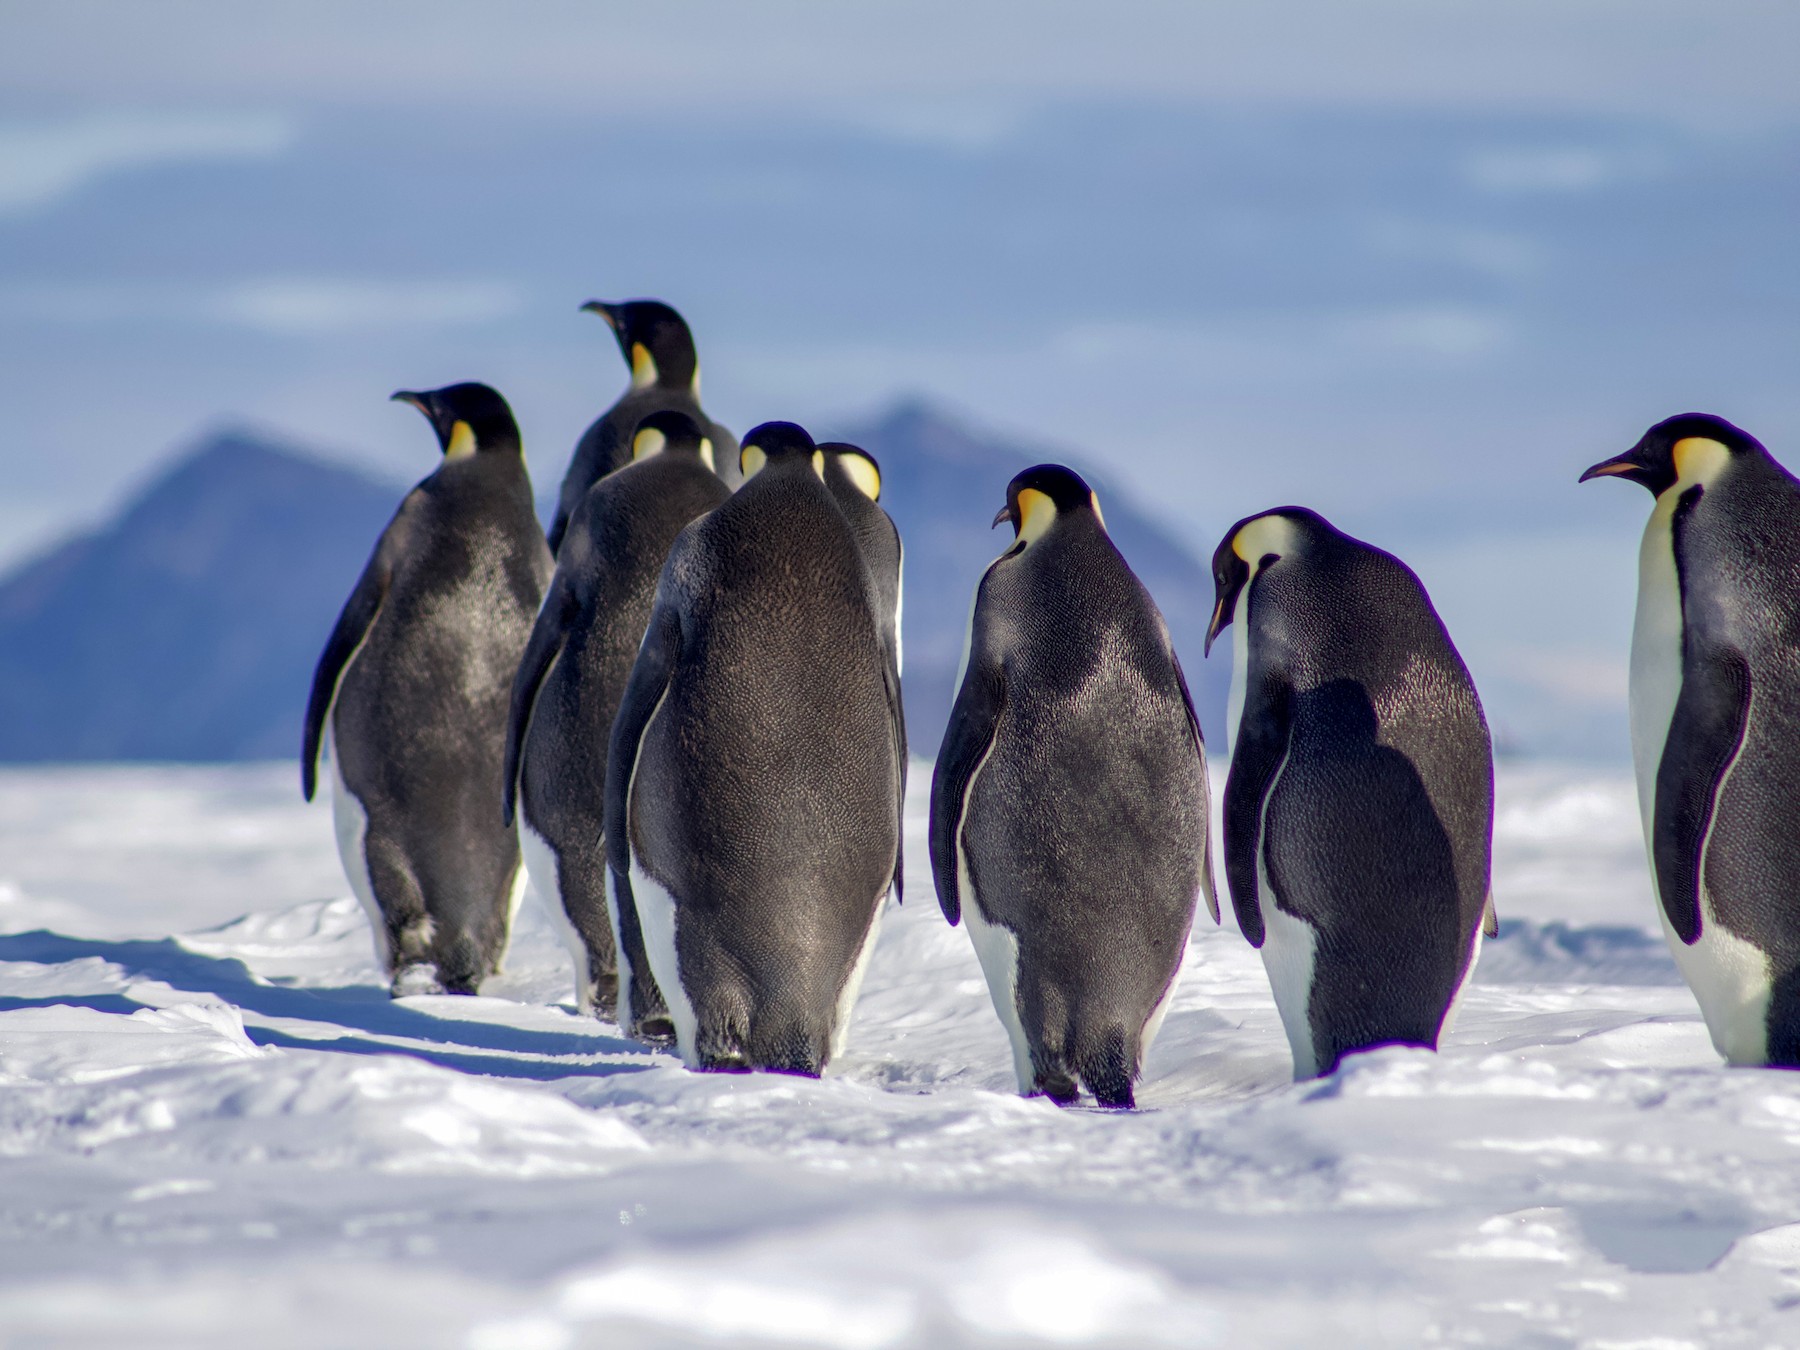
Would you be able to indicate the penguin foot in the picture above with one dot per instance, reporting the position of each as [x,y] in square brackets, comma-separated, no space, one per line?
[420,977]
[1059,1088]
[657,1030]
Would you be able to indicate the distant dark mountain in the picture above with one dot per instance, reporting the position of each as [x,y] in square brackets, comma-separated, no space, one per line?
[942,483]
[187,627]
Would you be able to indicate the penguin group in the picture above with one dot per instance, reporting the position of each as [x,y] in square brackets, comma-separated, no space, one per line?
[679,712]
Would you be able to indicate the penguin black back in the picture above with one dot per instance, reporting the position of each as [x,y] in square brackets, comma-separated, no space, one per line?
[752,793]
[411,693]
[1069,803]
[570,681]
[1361,785]
[665,376]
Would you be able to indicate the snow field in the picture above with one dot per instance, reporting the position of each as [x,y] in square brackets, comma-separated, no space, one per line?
[232,1135]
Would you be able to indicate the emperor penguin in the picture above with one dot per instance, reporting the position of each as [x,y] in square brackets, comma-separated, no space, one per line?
[1715,718]
[567,693]
[854,477]
[1069,804]
[1359,809]
[752,793]
[410,699]
[665,374]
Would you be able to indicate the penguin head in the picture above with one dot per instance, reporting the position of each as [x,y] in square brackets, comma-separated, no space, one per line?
[468,419]
[1042,495]
[777,443]
[856,464]
[1252,545]
[671,431]
[654,340]
[1689,448]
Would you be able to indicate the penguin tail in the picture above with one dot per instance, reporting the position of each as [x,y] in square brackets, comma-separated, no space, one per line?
[1108,1068]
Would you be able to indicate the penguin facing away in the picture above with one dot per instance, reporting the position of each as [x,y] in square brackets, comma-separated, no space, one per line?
[1715,717]
[855,482]
[665,375]
[567,693]
[752,798]
[1069,804]
[1359,808]
[410,695]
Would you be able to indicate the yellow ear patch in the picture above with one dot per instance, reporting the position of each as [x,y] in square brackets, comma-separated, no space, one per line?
[649,441]
[863,473]
[1037,513]
[751,460]
[1262,536]
[1698,459]
[462,442]
[819,464]
[643,366]
[706,454]
[1094,501]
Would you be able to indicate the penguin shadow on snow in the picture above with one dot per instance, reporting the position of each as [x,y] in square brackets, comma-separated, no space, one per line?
[361,1012]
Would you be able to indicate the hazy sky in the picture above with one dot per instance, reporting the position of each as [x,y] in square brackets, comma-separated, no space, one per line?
[1414,263]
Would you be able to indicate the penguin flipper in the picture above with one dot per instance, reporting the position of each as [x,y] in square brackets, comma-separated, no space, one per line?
[897,715]
[353,624]
[973,722]
[643,693]
[1262,743]
[547,637]
[1705,734]
[1208,886]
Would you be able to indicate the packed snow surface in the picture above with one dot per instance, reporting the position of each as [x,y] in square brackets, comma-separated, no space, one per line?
[217,1130]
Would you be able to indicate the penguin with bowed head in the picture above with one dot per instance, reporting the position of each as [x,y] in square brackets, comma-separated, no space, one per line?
[1069,804]
[410,697]
[1359,808]
[1715,717]
[567,692]
[665,375]
[752,794]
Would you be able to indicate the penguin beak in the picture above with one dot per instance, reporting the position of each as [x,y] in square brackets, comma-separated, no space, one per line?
[407,396]
[1005,514]
[1612,468]
[1220,618]
[605,310]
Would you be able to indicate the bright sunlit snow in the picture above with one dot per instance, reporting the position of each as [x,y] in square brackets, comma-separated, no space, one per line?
[217,1130]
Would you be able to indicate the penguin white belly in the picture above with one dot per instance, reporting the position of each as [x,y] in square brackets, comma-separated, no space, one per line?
[1462,986]
[1153,1024]
[546,884]
[351,824]
[899,610]
[656,920]
[840,1025]
[1290,947]
[1730,978]
[998,951]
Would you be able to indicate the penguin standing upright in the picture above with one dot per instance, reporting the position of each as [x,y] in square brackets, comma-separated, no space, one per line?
[567,693]
[665,374]
[1069,804]
[1715,718]
[410,700]
[1359,810]
[752,794]
[855,482]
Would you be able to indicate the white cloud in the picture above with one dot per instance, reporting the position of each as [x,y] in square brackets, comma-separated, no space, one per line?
[303,306]
[42,162]
[281,306]
[1565,169]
